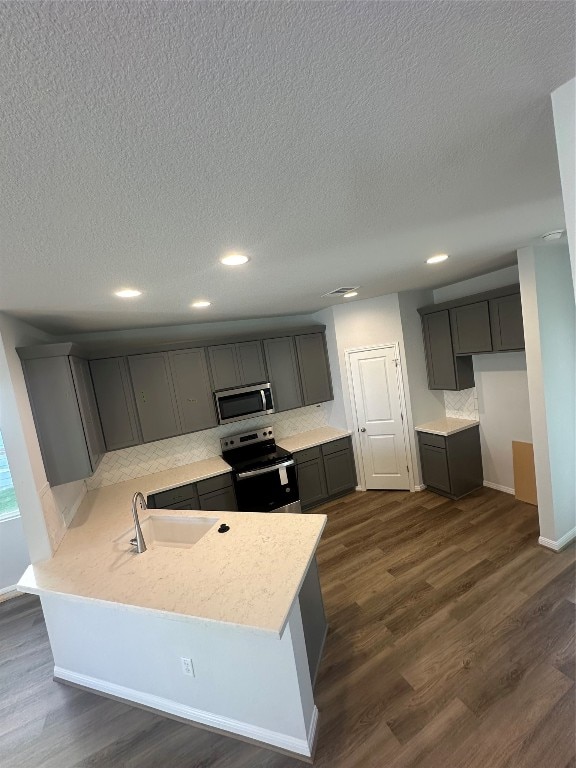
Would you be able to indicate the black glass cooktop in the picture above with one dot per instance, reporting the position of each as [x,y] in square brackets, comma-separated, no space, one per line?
[256,456]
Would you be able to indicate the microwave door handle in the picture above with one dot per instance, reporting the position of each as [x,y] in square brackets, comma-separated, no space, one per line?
[263,396]
[265,470]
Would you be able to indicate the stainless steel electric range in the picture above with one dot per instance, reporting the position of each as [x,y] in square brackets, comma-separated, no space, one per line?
[264,474]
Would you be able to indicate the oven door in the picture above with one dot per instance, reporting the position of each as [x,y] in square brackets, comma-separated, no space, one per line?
[271,489]
[243,403]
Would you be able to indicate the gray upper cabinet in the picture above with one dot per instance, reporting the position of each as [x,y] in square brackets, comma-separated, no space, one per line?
[65,415]
[193,390]
[439,355]
[155,399]
[235,365]
[282,365]
[115,399]
[471,328]
[314,368]
[251,362]
[507,323]
[224,366]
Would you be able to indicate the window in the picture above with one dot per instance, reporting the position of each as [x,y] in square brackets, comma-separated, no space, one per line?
[8,503]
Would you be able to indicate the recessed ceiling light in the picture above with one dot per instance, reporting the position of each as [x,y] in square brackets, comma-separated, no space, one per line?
[234,259]
[200,304]
[554,235]
[128,293]
[437,259]
[350,294]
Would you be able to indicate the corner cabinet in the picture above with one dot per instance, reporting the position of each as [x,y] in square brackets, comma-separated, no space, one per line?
[453,331]
[116,404]
[66,416]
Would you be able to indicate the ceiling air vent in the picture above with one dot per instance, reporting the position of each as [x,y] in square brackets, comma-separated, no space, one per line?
[341,291]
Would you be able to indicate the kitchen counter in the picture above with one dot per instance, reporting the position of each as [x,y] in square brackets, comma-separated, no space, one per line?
[248,577]
[446,426]
[311,438]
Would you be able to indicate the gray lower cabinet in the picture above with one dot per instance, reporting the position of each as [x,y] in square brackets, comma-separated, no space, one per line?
[445,370]
[325,471]
[340,471]
[193,391]
[236,365]
[452,465]
[175,498]
[222,500]
[313,616]
[116,405]
[155,397]
[66,417]
[314,368]
[471,328]
[212,494]
[507,323]
[311,482]
[282,365]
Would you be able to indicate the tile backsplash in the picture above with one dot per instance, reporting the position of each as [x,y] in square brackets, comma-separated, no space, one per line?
[141,460]
[462,405]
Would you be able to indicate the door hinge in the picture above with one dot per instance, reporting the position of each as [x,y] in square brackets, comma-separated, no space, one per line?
[407,469]
[396,361]
[402,417]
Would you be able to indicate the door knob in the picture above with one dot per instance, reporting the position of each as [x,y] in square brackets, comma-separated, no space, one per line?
[363,429]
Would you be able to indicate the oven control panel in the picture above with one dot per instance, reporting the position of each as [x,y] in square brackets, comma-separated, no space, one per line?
[247,438]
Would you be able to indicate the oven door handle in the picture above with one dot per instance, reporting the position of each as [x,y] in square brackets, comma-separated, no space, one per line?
[263,396]
[265,470]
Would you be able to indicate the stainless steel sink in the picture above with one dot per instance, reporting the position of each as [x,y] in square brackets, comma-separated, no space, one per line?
[172,531]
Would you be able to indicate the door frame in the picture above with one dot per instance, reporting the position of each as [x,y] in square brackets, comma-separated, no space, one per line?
[355,434]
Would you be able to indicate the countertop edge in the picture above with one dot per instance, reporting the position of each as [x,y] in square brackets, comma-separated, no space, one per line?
[446,433]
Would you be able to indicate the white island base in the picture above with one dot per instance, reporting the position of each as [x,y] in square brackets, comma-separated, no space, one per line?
[252,684]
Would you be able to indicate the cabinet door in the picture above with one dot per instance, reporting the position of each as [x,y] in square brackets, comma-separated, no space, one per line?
[314,368]
[154,396]
[435,467]
[251,362]
[115,399]
[224,366]
[471,328]
[193,390]
[88,410]
[340,472]
[282,367]
[311,482]
[191,503]
[439,353]
[57,418]
[507,323]
[222,500]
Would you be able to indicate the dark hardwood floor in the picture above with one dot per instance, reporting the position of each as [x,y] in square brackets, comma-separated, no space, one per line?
[451,645]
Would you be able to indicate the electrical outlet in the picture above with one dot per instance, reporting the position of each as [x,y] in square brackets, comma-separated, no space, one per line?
[187,666]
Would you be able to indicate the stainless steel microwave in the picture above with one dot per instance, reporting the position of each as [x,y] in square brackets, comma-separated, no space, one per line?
[244,402]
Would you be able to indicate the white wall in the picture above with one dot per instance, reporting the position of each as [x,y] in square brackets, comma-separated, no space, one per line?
[14,558]
[550,331]
[423,404]
[44,510]
[564,108]
[503,411]
[497,279]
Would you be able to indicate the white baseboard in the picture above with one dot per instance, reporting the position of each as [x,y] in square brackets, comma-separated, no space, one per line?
[503,488]
[7,593]
[420,487]
[562,542]
[196,716]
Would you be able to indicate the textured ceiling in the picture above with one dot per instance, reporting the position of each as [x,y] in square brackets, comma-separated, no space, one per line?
[336,143]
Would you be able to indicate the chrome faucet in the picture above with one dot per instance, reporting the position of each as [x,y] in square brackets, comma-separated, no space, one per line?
[138,540]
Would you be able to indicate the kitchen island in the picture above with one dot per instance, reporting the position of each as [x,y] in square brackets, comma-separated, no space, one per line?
[226,633]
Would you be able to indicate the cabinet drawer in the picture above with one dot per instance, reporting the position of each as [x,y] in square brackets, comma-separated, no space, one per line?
[214,483]
[341,444]
[308,454]
[173,496]
[438,441]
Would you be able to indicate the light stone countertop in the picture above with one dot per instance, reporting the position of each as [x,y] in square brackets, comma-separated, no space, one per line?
[446,426]
[247,577]
[311,438]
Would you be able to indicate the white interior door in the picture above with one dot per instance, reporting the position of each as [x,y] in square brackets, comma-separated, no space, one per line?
[377,399]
